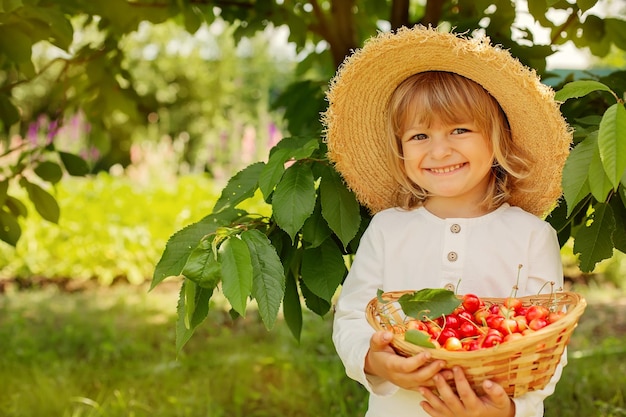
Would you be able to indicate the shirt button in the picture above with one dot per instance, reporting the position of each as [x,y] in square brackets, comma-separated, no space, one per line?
[449,287]
[455,228]
[452,256]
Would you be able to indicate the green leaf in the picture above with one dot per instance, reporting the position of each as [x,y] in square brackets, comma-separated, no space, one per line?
[599,183]
[612,142]
[268,286]
[340,207]
[74,164]
[575,183]
[9,115]
[313,302]
[193,319]
[323,269]
[15,206]
[287,149]
[237,274]
[180,245]
[418,338]
[579,88]
[294,199]
[4,189]
[428,302]
[585,5]
[292,309]
[202,266]
[619,235]
[315,229]
[240,187]
[593,239]
[10,230]
[44,202]
[49,171]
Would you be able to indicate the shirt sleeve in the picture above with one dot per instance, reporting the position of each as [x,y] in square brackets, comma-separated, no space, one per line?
[351,331]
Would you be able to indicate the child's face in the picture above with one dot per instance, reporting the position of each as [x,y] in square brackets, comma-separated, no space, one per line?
[452,161]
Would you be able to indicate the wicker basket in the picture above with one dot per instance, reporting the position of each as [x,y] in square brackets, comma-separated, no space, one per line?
[521,365]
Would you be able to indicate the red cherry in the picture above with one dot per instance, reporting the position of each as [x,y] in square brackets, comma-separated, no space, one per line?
[468,329]
[471,302]
[552,317]
[536,312]
[537,323]
[492,340]
[446,334]
[417,325]
[494,321]
[511,337]
[452,321]
[513,303]
[522,323]
[509,326]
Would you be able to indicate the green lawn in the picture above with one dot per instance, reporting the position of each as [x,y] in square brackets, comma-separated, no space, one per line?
[110,352]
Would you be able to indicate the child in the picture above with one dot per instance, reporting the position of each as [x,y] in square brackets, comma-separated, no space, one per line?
[457,149]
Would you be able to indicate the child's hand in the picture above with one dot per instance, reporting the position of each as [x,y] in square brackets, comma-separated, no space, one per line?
[495,403]
[408,373]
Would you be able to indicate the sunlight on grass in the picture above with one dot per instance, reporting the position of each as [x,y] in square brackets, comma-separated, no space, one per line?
[110,352]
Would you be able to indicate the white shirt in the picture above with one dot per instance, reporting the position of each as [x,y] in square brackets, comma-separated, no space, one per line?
[411,250]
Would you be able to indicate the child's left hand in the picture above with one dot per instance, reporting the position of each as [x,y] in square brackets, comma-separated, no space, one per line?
[495,403]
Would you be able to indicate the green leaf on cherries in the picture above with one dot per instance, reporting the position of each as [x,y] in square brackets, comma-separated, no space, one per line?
[429,302]
[418,338]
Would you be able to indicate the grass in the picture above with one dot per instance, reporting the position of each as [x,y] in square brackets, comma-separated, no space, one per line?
[110,352]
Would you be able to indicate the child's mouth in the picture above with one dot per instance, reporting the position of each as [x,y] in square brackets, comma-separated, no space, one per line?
[445,170]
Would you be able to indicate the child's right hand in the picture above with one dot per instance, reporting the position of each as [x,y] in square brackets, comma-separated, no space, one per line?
[408,373]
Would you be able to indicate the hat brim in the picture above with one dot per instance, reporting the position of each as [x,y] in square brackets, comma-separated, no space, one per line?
[355,121]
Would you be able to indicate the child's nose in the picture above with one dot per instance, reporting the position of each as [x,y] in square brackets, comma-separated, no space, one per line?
[440,146]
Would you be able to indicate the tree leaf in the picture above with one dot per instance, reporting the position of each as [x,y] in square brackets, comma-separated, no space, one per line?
[294,198]
[10,230]
[575,172]
[599,183]
[180,245]
[428,302]
[619,212]
[612,142]
[579,88]
[237,274]
[593,239]
[418,338]
[339,207]
[49,171]
[4,190]
[292,148]
[240,187]
[192,319]
[585,5]
[74,164]
[268,285]
[202,266]
[313,302]
[9,115]
[44,202]
[323,269]
[315,229]
[292,309]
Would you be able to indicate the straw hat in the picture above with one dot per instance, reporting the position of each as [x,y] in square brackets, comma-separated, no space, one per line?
[355,121]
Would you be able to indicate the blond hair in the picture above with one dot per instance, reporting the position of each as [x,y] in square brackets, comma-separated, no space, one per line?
[452,98]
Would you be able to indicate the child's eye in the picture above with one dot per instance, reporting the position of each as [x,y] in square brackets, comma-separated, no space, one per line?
[419,136]
[460,131]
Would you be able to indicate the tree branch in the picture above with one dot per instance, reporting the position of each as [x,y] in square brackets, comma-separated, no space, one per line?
[433,13]
[399,14]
